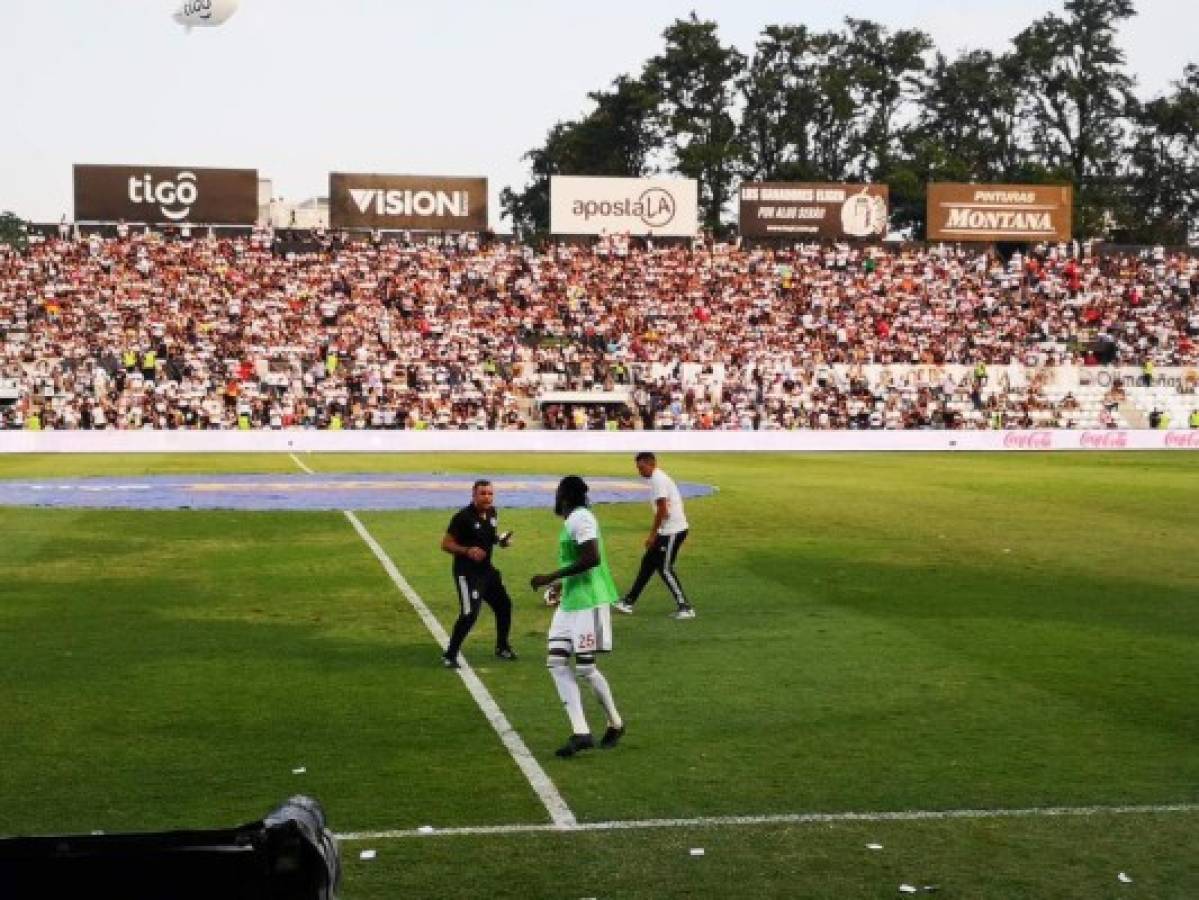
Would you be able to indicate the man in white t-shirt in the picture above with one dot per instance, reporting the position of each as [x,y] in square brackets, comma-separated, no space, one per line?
[665,539]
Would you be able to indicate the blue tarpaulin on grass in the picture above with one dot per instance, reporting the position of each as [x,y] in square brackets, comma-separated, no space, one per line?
[310,492]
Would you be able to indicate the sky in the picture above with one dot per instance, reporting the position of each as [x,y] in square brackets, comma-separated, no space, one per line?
[299,88]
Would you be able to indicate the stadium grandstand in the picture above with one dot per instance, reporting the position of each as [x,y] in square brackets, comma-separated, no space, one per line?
[143,331]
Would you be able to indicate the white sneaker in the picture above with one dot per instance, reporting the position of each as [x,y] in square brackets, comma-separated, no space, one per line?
[685,612]
[623,607]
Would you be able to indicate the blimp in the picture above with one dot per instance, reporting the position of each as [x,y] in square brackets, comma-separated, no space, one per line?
[205,13]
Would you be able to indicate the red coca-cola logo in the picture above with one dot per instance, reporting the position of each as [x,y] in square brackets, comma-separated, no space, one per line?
[1028,440]
[1187,440]
[1104,440]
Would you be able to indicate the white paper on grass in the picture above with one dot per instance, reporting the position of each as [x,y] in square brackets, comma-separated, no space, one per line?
[367,854]
[907,889]
[300,771]
[874,846]
[697,851]
[1124,879]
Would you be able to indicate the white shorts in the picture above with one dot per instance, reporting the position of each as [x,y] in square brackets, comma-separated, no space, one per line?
[584,630]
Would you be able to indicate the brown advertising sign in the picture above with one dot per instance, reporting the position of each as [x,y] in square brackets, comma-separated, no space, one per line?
[410,202]
[160,194]
[1000,212]
[817,210]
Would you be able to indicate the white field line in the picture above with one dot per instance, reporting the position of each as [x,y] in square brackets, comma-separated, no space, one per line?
[560,814]
[300,463]
[784,819]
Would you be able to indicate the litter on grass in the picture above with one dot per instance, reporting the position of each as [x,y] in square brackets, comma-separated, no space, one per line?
[697,851]
[874,846]
[300,771]
[907,889]
[1124,879]
[367,854]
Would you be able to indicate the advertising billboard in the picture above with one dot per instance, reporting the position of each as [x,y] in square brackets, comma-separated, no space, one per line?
[166,194]
[662,207]
[407,202]
[814,210]
[1000,212]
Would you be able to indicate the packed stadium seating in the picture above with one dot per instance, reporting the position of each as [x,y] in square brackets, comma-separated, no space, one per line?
[142,331]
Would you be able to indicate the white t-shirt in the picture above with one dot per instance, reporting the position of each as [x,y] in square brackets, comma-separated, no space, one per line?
[582,526]
[662,487]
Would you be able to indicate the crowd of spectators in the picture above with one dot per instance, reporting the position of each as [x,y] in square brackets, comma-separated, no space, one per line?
[143,331]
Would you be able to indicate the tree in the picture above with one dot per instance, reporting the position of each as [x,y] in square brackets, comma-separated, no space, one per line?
[968,129]
[798,115]
[13,231]
[886,72]
[617,138]
[1078,97]
[695,77]
[624,130]
[1163,196]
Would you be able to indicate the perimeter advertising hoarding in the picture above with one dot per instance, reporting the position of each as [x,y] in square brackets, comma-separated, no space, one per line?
[166,194]
[663,207]
[407,202]
[1000,212]
[816,210]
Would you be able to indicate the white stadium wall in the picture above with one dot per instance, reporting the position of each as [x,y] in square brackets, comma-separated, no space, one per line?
[586,441]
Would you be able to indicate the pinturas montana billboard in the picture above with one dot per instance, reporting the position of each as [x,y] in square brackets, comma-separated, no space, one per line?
[410,202]
[666,207]
[1000,212]
[166,194]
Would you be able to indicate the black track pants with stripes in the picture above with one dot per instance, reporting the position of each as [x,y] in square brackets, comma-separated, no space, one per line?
[661,558]
[472,594]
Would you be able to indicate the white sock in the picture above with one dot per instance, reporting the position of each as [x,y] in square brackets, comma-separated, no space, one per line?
[568,690]
[603,693]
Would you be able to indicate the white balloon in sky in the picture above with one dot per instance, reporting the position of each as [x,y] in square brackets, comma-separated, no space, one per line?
[205,13]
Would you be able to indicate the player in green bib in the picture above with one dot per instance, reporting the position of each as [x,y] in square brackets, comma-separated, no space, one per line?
[583,592]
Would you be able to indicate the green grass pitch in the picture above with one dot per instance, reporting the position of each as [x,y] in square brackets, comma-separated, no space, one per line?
[876,633]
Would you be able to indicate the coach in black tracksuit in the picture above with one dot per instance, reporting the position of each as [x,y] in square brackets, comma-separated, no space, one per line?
[470,539]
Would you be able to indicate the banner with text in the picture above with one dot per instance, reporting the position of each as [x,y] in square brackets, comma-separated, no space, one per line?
[536,441]
[1000,212]
[817,210]
[407,202]
[166,194]
[662,207]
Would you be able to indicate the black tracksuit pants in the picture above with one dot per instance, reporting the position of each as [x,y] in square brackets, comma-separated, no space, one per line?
[473,592]
[660,558]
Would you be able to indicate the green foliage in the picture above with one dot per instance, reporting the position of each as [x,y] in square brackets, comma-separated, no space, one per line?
[616,138]
[695,77]
[13,231]
[1077,97]
[860,103]
[1163,200]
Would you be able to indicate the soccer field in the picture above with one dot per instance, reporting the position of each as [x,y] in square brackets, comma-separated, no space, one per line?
[1009,634]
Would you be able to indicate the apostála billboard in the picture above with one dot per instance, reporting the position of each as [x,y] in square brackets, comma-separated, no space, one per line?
[407,202]
[661,207]
[1000,212]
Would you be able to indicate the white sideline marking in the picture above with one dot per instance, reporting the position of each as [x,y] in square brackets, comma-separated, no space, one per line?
[560,814]
[783,819]
[300,463]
